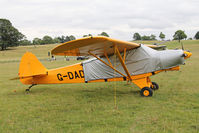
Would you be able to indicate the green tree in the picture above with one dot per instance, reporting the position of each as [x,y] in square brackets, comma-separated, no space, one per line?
[137,36]
[179,35]
[87,35]
[25,42]
[196,35]
[162,36]
[9,35]
[56,40]
[37,41]
[62,39]
[104,34]
[146,37]
[72,37]
[152,37]
[67,38]
[47,40]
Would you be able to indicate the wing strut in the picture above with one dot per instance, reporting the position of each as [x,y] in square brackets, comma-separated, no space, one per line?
[107,58]
[122,62]
[106,64]
[124,57]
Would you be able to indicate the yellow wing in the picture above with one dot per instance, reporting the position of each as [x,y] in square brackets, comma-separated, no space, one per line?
[96,45]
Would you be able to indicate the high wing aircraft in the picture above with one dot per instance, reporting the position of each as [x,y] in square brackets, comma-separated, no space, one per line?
[114,60]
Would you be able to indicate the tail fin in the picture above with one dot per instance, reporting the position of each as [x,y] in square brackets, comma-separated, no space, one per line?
[30,66]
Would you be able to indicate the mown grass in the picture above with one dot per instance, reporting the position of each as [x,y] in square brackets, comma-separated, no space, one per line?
[90,107]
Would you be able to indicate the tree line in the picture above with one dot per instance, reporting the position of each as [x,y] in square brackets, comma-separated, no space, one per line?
[178,35]
[10,36]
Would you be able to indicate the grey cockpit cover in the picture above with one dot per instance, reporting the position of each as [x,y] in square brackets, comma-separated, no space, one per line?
[138,61]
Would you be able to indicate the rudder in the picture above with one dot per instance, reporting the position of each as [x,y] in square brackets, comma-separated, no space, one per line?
[30,66]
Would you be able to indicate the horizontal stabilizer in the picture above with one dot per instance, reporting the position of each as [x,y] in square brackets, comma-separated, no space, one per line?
[17,78]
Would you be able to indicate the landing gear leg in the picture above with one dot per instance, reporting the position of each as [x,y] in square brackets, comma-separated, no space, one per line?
[144,84]
[27,90]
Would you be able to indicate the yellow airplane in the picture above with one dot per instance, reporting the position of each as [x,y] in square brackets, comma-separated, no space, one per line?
[114,60]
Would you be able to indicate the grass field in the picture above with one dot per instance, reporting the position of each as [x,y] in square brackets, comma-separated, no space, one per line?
[89,108]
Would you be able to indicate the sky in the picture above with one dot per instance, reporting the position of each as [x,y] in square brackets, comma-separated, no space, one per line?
[119,18]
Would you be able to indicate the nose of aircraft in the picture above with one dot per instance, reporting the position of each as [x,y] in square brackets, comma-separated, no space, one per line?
[187,54]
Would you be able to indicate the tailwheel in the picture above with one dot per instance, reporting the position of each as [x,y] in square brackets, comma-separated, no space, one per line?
[154,86]
[27,90]
[146,92]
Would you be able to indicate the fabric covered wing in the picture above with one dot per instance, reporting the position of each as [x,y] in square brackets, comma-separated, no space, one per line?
[96,45]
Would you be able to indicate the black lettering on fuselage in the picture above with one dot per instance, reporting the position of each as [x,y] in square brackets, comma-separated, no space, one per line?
[70,75]
[59,76]
[81,73]
[76,75]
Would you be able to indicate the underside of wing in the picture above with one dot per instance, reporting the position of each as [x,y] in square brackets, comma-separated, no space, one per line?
[97,45]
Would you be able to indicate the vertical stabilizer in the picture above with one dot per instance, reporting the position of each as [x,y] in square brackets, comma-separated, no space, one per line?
[30,66]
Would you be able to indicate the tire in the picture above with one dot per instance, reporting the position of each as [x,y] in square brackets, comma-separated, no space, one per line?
[146,92]
[154,86]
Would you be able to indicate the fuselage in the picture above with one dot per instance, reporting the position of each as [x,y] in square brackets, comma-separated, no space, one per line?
[141,63]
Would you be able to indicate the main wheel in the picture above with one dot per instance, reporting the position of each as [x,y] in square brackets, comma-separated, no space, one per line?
[154,86]
[146,92]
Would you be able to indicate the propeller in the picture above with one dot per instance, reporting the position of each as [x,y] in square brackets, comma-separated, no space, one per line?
[182,46]
[186,53]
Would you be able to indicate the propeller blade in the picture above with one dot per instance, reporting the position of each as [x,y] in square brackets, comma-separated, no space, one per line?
[182,46]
